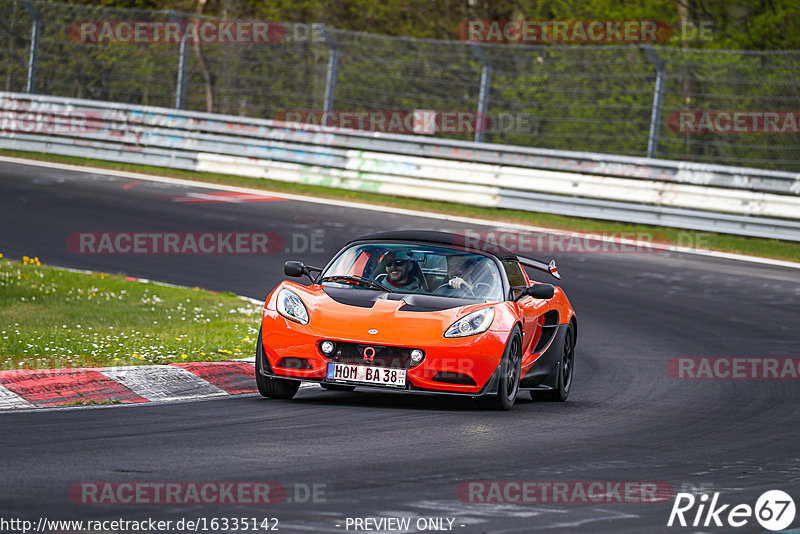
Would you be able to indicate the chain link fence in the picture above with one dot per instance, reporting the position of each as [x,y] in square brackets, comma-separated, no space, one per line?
[595,98]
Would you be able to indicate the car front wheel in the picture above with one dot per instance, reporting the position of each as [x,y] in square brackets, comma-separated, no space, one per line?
[274,388]
[510,369]
[566,367]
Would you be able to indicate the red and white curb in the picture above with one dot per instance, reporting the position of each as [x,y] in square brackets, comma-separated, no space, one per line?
[41,388]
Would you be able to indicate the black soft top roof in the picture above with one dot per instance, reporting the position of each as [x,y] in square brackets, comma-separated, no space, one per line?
[469,242]
[442,238]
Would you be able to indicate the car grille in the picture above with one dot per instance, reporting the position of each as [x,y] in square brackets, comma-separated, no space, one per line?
[395,357]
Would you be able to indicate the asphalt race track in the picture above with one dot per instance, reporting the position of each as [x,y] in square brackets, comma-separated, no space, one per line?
[386,455]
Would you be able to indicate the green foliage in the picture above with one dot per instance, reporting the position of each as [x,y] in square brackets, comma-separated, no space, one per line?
[592,97]
[739,24]
[53,318]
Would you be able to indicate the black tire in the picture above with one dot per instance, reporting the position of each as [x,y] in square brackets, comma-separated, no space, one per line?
[566,370]
[273,388]
[510,370]
[337,387]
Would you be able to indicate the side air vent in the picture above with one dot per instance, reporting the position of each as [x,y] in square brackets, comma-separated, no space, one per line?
[549,329]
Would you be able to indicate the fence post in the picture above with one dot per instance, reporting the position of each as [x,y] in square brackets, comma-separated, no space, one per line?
[30,86]
[333,67]
[658,99]
[482,120]
[183,60]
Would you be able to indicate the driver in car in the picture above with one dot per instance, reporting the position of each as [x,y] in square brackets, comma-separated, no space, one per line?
[397,276]
[459,277]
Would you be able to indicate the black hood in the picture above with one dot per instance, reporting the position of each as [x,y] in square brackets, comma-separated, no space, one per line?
[365,298]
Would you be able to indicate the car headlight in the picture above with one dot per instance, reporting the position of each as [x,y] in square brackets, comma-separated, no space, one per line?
[290,306]
[474,323]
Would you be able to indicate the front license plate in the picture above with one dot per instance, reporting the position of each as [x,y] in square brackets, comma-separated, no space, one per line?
[362,374]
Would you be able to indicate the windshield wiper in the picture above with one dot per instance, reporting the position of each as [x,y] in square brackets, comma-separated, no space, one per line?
[355,279]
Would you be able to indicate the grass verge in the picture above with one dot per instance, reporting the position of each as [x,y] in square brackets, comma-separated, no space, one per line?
[767,248]
[54,318]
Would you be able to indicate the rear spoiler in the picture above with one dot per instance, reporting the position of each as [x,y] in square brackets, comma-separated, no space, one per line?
[541,266]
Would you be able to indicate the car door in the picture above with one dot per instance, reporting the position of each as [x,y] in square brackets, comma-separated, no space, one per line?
[530,309]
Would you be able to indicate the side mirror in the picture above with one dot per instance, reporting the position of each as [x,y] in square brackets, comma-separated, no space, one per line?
[537,291]
[295,269]
[541,291]
[298,268]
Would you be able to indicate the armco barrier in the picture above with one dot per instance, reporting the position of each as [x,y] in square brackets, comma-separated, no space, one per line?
[716,198]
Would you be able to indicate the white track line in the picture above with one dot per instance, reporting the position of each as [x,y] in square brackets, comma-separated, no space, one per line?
[401,211]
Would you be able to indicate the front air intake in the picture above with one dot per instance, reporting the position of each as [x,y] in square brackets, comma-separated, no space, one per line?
[447,377]
[294,363]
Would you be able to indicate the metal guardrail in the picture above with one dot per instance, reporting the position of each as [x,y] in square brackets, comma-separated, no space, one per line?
[702,197]
[614,98]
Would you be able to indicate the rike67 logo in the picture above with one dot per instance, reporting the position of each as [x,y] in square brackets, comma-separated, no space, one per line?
[774,510]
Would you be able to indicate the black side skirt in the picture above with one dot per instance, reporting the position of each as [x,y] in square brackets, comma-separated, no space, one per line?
[544,372]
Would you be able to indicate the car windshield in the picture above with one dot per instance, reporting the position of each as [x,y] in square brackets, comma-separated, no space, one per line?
[416,269]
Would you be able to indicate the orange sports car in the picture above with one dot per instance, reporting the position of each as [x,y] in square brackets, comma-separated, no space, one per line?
[423,312]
